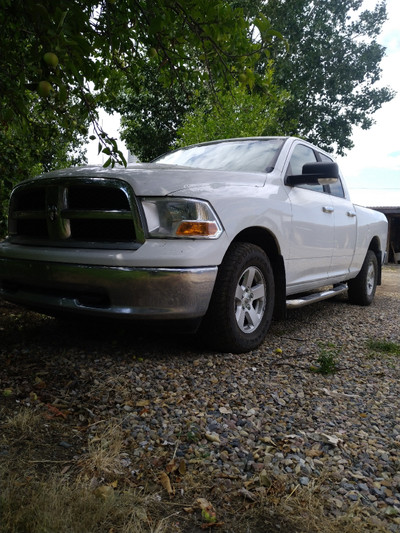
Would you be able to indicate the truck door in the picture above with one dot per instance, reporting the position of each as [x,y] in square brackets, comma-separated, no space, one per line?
[312,236]
[345,231]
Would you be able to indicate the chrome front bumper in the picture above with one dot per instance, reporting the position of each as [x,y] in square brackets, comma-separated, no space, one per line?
[147,293]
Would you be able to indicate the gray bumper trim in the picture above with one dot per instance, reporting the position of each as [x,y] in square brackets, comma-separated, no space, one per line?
[147,293]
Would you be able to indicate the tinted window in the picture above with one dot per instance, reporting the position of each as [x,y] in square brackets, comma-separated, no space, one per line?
[336,189]
[301,155]
[325,158]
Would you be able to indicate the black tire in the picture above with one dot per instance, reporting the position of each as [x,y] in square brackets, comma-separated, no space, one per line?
[242,303]
[362,288]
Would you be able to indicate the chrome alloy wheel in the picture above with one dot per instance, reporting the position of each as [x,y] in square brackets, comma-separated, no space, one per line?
[250,299]
[370,281]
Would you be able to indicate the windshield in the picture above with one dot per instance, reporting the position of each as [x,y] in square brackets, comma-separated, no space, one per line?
[251,155]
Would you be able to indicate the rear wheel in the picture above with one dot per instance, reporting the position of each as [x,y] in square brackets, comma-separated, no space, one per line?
[362,288]
[241,307]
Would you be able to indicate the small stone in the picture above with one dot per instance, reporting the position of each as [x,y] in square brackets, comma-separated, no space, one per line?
[391,511]
[268,457]
[224,456]
[64,444]
[353,496]
[378,492]
[213,437]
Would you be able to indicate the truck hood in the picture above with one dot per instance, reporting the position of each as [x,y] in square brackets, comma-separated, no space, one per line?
[151,179]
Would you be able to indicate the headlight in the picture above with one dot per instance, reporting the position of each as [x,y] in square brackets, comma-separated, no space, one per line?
[181,217]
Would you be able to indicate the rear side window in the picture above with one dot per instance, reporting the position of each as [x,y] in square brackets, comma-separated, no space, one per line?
[335,189]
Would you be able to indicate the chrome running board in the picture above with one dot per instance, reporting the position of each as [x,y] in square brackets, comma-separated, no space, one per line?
[316,297]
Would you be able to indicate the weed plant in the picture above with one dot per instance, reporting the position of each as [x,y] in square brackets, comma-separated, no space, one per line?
[327,359]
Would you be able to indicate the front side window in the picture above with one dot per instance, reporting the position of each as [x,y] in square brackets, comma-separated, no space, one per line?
[301,155]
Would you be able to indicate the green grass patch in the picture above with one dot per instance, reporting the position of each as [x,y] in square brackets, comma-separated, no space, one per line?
[384,347]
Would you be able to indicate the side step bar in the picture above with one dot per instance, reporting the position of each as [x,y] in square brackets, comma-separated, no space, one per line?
[316,297]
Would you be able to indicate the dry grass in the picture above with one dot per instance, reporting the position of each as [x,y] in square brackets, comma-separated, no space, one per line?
[105,445]
[93,493]
[305,512]
[43,496]
[308,509]
[61,505]
[64,506]
[24,424]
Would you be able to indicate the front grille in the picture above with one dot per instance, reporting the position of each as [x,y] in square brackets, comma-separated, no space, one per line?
[85,212]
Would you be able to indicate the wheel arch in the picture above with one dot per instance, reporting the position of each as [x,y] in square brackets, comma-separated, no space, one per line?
[269,244]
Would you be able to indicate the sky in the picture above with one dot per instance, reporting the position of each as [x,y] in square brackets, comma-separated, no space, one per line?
[372,167]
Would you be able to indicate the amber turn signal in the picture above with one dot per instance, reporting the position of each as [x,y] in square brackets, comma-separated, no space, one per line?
[197,229]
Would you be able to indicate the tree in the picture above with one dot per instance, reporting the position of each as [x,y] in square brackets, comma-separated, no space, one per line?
[239,112]
[82,50]
[150,118]
[331,69]
[62,59]
[40,145]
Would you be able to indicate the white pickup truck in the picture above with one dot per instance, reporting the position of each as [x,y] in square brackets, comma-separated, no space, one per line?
[226,234]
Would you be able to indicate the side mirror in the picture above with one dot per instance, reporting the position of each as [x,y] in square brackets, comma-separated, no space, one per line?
[315,174]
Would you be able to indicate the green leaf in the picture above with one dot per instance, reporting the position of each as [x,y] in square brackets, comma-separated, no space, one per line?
[61,18]
[62,94]
[122,158]
[262,23]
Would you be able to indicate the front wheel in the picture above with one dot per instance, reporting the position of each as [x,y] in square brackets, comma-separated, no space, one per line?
[362,288]
[242,304]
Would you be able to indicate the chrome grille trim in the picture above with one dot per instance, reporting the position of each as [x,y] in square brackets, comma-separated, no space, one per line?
[84,212]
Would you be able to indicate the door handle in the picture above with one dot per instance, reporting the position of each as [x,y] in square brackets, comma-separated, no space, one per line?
[326,209]
[351,214]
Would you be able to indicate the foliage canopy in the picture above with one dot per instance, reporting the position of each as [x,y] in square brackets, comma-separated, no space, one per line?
[40,144]
[328,76]
[332,68]
[81,50]
[61,60]
[237,113]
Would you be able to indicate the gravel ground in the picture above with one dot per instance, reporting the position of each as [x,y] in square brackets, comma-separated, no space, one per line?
[268,414]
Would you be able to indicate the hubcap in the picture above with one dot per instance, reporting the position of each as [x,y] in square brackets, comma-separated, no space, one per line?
[250,299]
